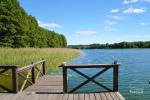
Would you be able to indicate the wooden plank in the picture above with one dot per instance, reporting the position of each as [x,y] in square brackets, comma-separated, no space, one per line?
[50,83]
[65,97]
[34,96]
[76,96]
[39,96]
[54,97]
[30,66]
[108,96]
[92,96]
[87,96]
[7,97]
[22,96]
[70,97]
[89,65]
[46,87]
[113,96]
[97,96]
[59,97]
[81,97]
[3,95]
[103,96]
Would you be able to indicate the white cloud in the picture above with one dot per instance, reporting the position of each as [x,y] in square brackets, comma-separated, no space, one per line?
[134,10]
[114,10]
[108,24]
[143,24]
[50,26]
[134,1]
[113,17]
[116,17]
[130,1]
[86,32]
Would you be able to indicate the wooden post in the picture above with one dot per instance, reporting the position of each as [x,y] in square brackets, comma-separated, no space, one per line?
[115,76]
[33,73]
[43,67]
[15,79]
[64,78]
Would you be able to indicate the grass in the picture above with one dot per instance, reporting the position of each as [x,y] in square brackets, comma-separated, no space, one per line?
[24,56]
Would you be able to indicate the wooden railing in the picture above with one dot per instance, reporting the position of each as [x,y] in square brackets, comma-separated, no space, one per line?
[13,68]
[75,68]
[29,74]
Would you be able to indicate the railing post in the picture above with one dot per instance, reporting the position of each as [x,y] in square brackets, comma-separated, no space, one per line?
[43,67]
[64,78]
[33,73]
[15,79]
[115,76]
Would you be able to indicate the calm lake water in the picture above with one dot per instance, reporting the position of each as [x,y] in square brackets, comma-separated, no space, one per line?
[134,72]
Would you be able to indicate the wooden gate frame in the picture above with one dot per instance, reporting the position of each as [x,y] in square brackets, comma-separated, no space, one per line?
[105,67]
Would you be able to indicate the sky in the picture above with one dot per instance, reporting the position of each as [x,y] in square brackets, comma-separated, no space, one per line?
[93,21]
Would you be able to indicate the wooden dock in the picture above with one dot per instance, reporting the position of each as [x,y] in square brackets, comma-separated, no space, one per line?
[55,87]
[51,88]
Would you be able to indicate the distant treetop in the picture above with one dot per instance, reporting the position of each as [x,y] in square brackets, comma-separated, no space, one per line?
[138,44]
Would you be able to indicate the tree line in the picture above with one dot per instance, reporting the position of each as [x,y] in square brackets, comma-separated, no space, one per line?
[18,29]
[138,44]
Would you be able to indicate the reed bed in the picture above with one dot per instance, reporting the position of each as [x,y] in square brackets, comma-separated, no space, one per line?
[24,56]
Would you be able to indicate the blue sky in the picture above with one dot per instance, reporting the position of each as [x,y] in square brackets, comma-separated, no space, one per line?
[93,21]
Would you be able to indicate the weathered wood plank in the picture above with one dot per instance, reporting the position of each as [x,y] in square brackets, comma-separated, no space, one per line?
[65,97]
[76,96]
[114,96]
[7,97]
[87,97]
[108,96]
[70,97]
[59,97]
[97,96]
[90,65]
[92,96]
[54,97]
[103,96]
[81,97]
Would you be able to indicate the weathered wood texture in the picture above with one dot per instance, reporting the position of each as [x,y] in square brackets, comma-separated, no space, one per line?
[50,88]
[90,96]
[47,84]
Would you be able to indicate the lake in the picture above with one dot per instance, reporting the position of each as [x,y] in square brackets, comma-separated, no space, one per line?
[134,71]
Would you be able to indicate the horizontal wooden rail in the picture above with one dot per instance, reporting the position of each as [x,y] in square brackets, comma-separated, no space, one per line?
[89,65]
[25,73]
[30,66]
[105,67]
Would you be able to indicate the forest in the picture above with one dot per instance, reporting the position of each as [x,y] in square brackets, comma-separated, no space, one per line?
[19,29]
[138,44]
